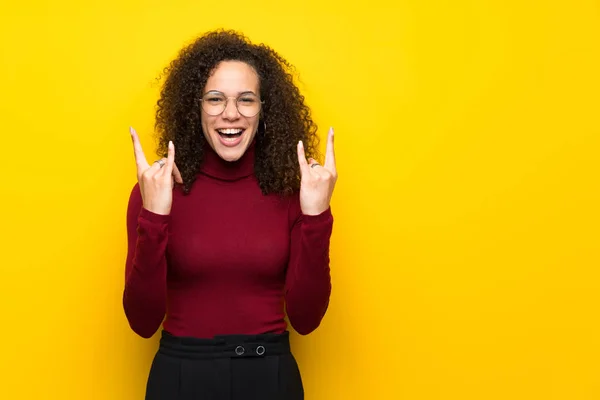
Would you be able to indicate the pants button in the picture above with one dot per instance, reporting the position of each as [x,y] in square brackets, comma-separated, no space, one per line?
[260,350]
[239,350]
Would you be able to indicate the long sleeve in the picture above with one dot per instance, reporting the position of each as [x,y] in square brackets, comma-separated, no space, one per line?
[145,291]
[308,279]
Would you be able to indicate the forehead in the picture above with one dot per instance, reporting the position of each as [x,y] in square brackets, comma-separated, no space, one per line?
[232,78]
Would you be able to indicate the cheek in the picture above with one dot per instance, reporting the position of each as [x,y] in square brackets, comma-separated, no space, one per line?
[254,123]
[206,123]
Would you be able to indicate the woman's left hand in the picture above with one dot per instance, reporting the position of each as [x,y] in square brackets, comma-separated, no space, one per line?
[317,183]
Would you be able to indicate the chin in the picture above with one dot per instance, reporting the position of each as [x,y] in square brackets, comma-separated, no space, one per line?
[230,155]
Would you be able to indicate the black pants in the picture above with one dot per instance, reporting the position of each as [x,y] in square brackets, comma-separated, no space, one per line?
[233,367]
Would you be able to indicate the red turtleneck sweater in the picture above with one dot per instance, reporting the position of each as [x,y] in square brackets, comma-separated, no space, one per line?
[227,260]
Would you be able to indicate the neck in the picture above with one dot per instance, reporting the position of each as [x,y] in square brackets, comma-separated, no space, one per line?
[215,167]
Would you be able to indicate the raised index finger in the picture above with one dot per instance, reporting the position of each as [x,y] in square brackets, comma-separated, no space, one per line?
[302,158]
[330,153]
[140,158]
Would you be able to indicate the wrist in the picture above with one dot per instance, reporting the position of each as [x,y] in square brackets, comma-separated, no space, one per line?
[157,210]
[313,211]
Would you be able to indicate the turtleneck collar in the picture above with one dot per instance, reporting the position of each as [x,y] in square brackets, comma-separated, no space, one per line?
[215,167]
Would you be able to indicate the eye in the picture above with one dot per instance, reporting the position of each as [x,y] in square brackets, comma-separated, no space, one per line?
[247,99]
[214,99]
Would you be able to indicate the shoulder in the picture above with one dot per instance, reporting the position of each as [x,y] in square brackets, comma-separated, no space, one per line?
[135,195]
[135,202]
[293,203]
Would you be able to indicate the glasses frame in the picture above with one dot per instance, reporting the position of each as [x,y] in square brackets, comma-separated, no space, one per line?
[216,92]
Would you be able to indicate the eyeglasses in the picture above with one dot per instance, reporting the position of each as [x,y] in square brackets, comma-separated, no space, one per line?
[214,103]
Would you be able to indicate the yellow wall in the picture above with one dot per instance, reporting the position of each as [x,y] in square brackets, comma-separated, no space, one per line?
[466,253]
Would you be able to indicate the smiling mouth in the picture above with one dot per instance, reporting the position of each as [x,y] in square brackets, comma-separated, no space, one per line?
[230,134]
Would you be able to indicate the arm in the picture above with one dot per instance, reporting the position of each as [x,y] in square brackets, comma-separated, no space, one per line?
[145,292]
[308,279]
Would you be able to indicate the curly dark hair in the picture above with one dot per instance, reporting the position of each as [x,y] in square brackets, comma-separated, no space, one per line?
[287,117]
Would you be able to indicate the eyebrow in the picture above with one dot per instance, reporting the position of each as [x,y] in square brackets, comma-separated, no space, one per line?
[239,93]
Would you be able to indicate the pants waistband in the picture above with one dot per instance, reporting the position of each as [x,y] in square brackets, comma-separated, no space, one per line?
[232,346]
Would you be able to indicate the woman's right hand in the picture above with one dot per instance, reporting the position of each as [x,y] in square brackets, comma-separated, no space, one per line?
[156,181]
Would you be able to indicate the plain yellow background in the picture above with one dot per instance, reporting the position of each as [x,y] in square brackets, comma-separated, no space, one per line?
[465,253]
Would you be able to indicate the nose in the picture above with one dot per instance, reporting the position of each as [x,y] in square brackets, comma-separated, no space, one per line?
[231,112]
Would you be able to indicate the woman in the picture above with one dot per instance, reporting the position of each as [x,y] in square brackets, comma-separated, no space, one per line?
[230,230]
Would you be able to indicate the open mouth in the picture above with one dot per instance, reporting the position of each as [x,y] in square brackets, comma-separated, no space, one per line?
[230,134]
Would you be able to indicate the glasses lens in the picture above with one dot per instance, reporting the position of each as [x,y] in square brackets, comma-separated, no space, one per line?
[213,104]
[248,105]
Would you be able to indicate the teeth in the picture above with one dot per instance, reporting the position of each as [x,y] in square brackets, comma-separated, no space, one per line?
[229,131]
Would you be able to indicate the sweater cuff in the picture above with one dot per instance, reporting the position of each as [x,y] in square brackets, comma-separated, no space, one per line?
[325,217]
[153,217]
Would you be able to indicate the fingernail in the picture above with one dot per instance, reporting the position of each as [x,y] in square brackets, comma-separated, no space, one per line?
[301,144]
[331,130]
[170,144]
[131,130]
